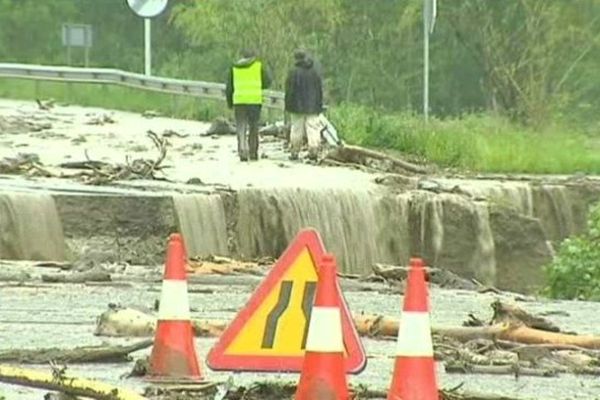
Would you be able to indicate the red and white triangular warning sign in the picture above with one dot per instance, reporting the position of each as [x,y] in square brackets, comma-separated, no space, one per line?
[269,334]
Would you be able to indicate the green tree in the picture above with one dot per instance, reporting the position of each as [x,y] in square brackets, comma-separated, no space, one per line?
[30,30]
[272,27]
[529,50]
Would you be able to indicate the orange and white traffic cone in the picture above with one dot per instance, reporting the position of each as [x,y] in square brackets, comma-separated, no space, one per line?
[414,372]
[323,375]
[174,352]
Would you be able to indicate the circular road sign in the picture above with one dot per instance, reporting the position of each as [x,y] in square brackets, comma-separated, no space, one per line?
[147,8]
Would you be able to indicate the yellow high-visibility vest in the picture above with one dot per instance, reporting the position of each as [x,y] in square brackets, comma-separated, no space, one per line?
[247,84]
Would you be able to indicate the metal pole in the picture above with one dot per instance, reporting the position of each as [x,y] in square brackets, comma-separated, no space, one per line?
[425,59]
[147,45]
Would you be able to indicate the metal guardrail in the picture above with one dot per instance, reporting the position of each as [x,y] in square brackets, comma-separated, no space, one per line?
[209,90]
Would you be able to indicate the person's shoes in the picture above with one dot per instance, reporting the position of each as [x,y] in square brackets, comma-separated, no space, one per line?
[313,154]
[294,157]
[253,157]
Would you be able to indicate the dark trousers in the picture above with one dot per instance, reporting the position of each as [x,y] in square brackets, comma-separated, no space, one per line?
[247,117]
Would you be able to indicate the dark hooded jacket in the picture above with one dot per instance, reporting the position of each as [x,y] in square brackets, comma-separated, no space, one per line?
[244,63]
[304,89]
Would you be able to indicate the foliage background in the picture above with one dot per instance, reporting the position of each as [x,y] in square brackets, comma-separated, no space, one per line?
[515,84]
[533,60]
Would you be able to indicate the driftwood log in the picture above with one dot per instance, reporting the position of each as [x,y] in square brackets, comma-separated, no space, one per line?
[57,381]
[504,312]
[512,332]
[526,335]
[361,156]
[438,276]
[77,277]
[87,354]
[366,325]
[516,370]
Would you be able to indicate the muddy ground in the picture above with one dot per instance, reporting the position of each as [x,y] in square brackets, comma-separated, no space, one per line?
[35,314]
[38,315]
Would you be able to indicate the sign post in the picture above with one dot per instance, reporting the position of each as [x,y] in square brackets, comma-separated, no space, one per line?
[147,9]
[429,14]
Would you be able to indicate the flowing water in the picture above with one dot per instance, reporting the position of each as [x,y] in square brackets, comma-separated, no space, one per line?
[364,228]
[454,232]
[359,226]
[554,206]
[202,223]
[30,228]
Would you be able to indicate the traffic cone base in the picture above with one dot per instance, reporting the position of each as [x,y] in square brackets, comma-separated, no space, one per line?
[317,384]
[323,374]
[414,370]
[173,353]
[421,373]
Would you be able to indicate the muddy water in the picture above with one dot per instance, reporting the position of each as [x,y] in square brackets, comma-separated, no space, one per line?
[483,263]
[46,316]
[553,204]
[352,223]
[202,222]
[30,228]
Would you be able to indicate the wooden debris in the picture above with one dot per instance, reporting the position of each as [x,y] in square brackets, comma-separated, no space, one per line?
[86,354]
[88,165]
[222,266]
[437,276]
[370,158]
[45,105]
[381,326]
[136,169]
[24,164]
[220,126]
[511,313]
[524,334]
[279,391]
[516,370]
[171,133]
[78,277]
[66,384]
[65,266]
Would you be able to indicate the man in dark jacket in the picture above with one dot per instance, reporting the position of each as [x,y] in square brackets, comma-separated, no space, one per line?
[304,101]
[245,82]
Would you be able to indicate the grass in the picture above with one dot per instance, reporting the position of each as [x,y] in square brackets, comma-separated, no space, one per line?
[474,142]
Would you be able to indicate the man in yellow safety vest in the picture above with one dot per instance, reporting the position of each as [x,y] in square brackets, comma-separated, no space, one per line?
[245,82]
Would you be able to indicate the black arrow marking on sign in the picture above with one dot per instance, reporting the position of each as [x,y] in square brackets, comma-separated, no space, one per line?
[282,303]
[307,304]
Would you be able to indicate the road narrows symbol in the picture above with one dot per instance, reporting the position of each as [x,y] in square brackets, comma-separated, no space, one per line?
[282,303]
[307,303]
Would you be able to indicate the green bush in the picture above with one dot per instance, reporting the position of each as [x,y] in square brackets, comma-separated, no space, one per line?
[575,271]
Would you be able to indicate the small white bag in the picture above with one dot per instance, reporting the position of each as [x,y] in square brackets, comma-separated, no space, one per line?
[328,132]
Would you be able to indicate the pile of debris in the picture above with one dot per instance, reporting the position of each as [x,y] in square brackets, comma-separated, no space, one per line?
[92,172]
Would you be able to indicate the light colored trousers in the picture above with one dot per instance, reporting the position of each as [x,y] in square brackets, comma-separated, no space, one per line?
[305,126]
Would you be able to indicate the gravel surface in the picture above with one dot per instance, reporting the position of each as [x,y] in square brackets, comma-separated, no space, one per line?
[45,316]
